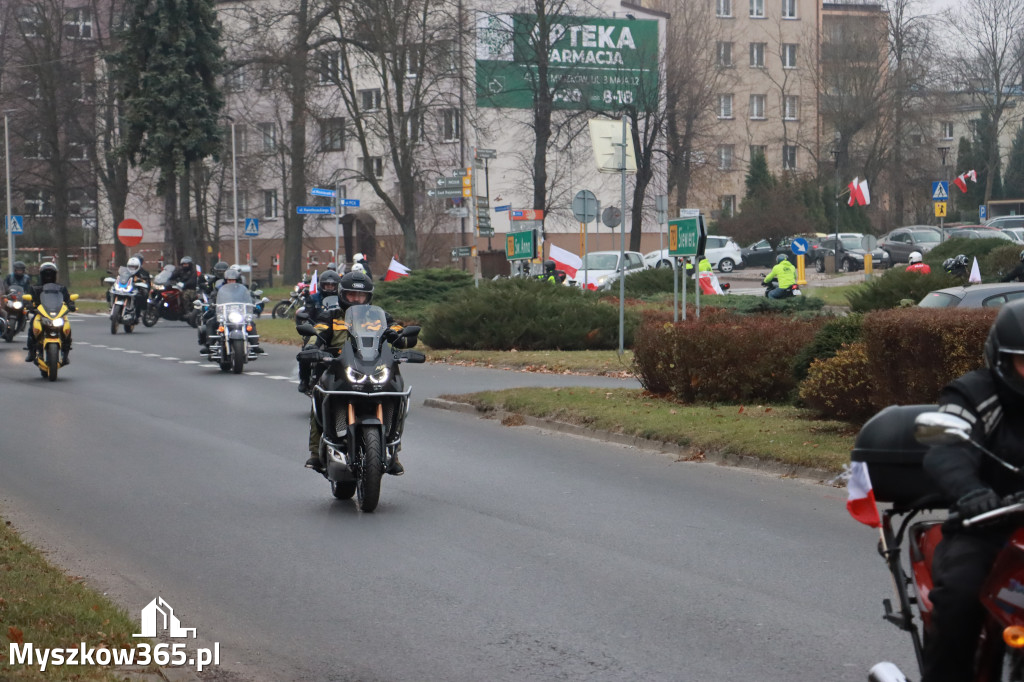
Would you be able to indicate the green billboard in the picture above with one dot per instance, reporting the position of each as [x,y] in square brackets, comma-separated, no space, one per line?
[521,245]
[683,237]
[594,63]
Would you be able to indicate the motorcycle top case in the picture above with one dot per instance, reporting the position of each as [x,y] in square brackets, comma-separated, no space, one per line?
[887,445]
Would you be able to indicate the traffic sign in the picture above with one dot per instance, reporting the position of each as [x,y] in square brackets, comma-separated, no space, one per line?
[483,221]
[799,246]
[524,225]
[252,227]
[940,209]
[320,192]
[449,182]
[129,232]
[460,173]
[982,212]
[445,192]
[584,206]
[350,202]
[940,191]
[486,231]
[462,252]
[521,245]
[527,214]
[481,212]
[611,216]
[314,210]
[483,202]
[16,224]
[506,207]
[683,236]
[486,153]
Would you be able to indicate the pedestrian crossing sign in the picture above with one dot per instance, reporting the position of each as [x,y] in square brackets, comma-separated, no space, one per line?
[252,227]
[940,191]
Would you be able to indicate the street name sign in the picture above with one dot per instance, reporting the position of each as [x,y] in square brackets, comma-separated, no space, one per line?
[521,245]
[321,192]
[314,210]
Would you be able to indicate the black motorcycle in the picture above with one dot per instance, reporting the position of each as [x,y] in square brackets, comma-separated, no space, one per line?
[792,290]
[14,313]
[360,401]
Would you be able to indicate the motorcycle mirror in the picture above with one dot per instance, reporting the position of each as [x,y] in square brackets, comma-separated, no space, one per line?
[265,300]
[198,305]
[306,329]
[73,297]
[258,292]
[411,330]
[413,356]
[941,428]
[108,280]
[27,298]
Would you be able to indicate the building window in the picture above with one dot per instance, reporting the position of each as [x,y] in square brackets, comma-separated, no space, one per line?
[757,55]
[269,203]
[757,106]
[332,134]
[78,23]
[725,157]
[266,80]
[38,202]
[916,140]
[415,126]
[329,69]
[413,61]
[727,205]
[757,8]
[241,139]
[370,99]
[234,81]
[724,54]
[789,157]
[756,150]
[791,107]
[28,20]
[35,148]
[789,55]
[79,203]
[946,130]
[269,132]
[373,166]
[723,8]
[446,56]
[789,9]
[452,125]
[78,149]
[725,106]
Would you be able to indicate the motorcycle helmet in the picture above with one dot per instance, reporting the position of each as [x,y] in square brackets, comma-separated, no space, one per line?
[961,260]
[1021,258]
[231,275]
[333,267]
[329,284]
[185,261]
[358,258]
[549,267]
[914,257]
[358,267]
[1005,340]
[141,258]
[219,268]
[133,265]
[781,257]
[353,284]
[947,265]
[47,273]
[19,267]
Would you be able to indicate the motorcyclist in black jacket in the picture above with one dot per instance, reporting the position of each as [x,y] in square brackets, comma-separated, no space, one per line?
[315,313]
[991,400]
[18,278]
[48,275]
[186,275]
[1017,274]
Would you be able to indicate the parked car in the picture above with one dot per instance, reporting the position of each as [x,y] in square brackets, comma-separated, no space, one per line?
[848,251]
[977,232]
[762,255]
[976,296]
[722,252]
[1005,221]
[903,240]
[1017,233]
[602,267]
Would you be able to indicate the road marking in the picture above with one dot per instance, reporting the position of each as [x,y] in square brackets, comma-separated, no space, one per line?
[188,362]
[257,374]
[133,352]
[114,348]
[276,378]
[170,358]
[98,345]
[151,355]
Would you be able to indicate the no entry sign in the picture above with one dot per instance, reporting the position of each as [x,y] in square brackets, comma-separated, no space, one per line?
[129,232]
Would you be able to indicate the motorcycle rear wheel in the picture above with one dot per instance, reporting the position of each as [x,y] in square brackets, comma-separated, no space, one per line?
[52,361]
[372,469]
[150,317]
[237,355]
[343,490]
[281,310]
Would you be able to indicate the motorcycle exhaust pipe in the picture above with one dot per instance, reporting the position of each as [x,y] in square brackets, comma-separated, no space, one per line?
[886,672]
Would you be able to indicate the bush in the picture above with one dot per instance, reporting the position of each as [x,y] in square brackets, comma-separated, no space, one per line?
[833,335]
[972,248]
[803,306]
[999,262]
[896,285]
[526,314]
[409,298]
[722,357]
[840,386]
[651,281]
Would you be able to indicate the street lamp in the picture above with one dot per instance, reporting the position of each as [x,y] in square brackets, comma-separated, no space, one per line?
[234,184]
[7,217]
[942,154]
[836,151]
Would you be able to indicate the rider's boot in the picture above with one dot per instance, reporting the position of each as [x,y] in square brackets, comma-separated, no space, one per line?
[395,468]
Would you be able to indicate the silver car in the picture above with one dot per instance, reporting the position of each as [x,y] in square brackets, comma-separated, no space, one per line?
[902,241]
[976,296]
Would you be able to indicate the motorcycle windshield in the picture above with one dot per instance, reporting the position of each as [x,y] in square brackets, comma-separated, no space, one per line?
[15,291]
[233,293]
[234,305]
[366,324]
[124,282]
[330,304]
[165,275]
[51,299]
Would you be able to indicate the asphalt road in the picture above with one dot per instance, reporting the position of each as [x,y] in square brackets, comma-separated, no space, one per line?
[504,553]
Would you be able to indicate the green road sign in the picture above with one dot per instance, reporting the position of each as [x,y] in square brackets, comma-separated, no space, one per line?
[521,245]
[449,182]
[483,221]
[445,192]
[683,236]
[462,252]
[486,231]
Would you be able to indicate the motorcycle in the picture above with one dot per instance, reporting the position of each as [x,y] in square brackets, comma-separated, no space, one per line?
[122,300]
[892,445]
[361,402]
[50,328]
[296,300]
[235,341]
[15,314]
[794,289]
[165,301]
[258,301]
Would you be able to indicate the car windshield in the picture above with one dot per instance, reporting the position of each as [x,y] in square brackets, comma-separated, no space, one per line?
[939,299]
[600,261]
[926,237]
[851,242]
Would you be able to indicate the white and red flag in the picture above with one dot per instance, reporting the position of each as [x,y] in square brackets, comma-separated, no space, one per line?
[861,498]
[565,260]
[961,180]
[313,284]
[859,193]
[396,270]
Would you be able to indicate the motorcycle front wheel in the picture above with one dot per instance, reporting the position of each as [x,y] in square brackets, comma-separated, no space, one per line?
[9,333]
[150,317]
[237,355]
[281,310]
[52,361]
[372,465]
[113,324]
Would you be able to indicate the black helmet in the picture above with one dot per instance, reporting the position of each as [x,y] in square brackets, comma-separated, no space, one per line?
[947,264]
[232,275]
[332,266]
[1006,339]
[781,257]
[330,282]
[354,282]
[47,273]
[961,260]
[1021,258]
[549,267]
[219,268]
[20,265]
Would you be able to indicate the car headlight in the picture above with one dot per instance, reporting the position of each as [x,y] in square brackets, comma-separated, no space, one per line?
[601,280]
[236,318]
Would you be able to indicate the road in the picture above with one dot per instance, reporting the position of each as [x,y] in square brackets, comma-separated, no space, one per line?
[504,553]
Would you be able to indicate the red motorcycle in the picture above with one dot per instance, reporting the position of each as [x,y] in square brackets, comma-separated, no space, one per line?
[165,301]
[892,445]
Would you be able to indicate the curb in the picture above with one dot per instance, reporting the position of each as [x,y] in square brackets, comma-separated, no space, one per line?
[681,453]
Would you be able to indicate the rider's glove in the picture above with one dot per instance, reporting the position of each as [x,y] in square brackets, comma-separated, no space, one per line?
[978,502]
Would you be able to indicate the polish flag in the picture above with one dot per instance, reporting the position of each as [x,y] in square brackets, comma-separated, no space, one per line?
[396,270]
[709,284]
[565,260]
[861,498]
[859,192]
[961,180]
[312,284]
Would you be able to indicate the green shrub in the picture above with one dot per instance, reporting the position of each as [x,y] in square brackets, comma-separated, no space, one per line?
[840,386]
[722,357]
[972,248]
[409,298]
[745,304]
[526,314]
[833,335]
[896,285]
[999,262]
[651,281]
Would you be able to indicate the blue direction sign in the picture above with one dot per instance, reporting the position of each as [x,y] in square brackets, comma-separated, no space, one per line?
[320,192]
[320,210]
[252,227]
[350,202]
[506,207]
[940,190]
[16,225]
[799,246]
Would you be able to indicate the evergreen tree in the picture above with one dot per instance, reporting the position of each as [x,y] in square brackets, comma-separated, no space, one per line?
[1013,184]
[759,178]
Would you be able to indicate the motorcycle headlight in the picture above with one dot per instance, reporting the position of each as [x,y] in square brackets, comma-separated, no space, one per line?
[57,322]
[354,376]
[381,376]
[16,305]
[236,318]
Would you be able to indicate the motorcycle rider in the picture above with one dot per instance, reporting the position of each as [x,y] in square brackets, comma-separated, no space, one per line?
[315,313]
[550,273]
[48,275]
[956,266]
[209,326]
[185,274]
[139,275]
[356,289]
[360,259]
[1017,274]
[785,272]
[915,263]
[18,278]
[991,400]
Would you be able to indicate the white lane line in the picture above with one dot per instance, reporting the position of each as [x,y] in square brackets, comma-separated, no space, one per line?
[276,378]
[98,345]
[133,352]
[295,381]
[151,355]
[188,362]
[257,374]
[114,348]
[175,359]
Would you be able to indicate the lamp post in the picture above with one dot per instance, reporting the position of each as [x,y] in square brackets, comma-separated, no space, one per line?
[234,185]
[942,154]
[7,217]
[836,152]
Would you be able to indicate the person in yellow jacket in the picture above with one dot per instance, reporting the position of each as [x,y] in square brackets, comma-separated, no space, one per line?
[785,273]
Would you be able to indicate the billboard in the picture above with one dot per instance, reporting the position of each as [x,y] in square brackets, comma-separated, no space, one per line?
[594,63]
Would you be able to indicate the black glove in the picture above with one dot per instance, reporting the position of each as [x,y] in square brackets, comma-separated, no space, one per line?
[978,502]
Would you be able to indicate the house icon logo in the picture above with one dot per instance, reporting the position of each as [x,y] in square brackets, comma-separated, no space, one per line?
[158,616]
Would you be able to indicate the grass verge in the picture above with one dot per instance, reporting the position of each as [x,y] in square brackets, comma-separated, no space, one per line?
[41,605]
[832,295]
[784,434]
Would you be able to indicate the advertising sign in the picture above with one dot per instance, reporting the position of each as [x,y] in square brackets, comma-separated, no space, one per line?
[594,63]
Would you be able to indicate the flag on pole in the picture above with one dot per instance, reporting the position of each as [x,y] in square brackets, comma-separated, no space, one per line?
[861,498]
[565,260]
[975,277]
[312,284]
[709,284]
[961,180]
[396,270]
[859,193]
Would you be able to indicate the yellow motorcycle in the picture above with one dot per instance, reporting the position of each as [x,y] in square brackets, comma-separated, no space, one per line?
[50,328]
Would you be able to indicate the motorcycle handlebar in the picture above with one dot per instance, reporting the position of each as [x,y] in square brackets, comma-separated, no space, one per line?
[1014,504]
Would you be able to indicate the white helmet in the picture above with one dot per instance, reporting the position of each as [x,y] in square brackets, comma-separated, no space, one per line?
[358,257]
[134,265]
[358,267]
[915,257]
